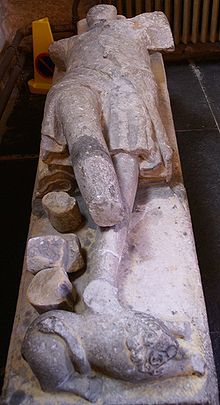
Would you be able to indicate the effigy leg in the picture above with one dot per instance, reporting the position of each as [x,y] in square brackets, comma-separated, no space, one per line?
[110,242]
[80,117]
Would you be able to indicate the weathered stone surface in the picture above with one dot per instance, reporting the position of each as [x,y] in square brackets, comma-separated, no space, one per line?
[74,259]
[46,252]
[159,277]
[56,177]
[62,210]
[123,344]
[51,289]
[50,258]
[107,102]
[104,203]
[52,251]
[110,242]
[134,346]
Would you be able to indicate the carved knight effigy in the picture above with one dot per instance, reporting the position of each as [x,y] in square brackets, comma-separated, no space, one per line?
[102,120]
[109,95]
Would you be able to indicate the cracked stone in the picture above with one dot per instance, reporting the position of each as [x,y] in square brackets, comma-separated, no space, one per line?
[51,289]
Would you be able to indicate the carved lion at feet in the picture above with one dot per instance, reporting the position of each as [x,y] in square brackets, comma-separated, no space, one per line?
[65,350]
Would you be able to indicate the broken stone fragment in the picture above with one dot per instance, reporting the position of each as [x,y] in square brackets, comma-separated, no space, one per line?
[51,289]
[44,252]
[62,210]
[99,186]
[57,176]
[74,260]
[52,251]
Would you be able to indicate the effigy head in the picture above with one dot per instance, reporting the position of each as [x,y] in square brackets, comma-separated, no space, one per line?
[101,13]
[151,346]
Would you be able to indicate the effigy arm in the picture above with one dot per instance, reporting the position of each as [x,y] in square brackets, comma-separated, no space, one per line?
[157,30]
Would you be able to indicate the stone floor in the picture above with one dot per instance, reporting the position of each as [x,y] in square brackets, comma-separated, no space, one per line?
[195,98]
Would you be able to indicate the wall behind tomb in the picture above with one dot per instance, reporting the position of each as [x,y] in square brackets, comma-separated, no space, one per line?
[15,14]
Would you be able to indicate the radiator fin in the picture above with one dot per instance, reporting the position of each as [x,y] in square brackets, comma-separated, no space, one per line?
[138,7]
[177,20]
[167,9]
[148,6]
[214,21]
[186,21]
[129,8]
[205,20]
[158,5]
[119,7]
[195,20]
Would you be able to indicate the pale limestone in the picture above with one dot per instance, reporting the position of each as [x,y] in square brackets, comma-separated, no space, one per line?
[172,294]
[75,261]
[51,289]
[46,252]
[105,103]
[52,251]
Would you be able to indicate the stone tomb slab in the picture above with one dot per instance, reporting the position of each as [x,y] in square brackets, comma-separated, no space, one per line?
[158,275]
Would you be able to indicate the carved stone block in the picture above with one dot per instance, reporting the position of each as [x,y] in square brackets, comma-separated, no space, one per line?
[52,251]
[139,331]
[62,210]
[51,289]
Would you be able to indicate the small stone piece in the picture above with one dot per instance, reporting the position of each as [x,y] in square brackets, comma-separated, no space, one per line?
[59,176]
[53,251]
[62,210]
[75,260]
[51,289]
[44,252]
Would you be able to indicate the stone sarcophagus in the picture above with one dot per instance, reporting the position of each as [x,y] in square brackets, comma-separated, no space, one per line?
[111,308]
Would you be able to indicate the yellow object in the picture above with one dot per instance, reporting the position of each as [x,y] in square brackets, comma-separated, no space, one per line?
[43,66]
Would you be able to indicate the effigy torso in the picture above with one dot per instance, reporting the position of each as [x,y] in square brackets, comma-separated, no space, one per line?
[112,60]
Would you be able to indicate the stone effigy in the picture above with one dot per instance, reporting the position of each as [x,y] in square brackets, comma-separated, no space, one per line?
[107,103]
[135,335]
